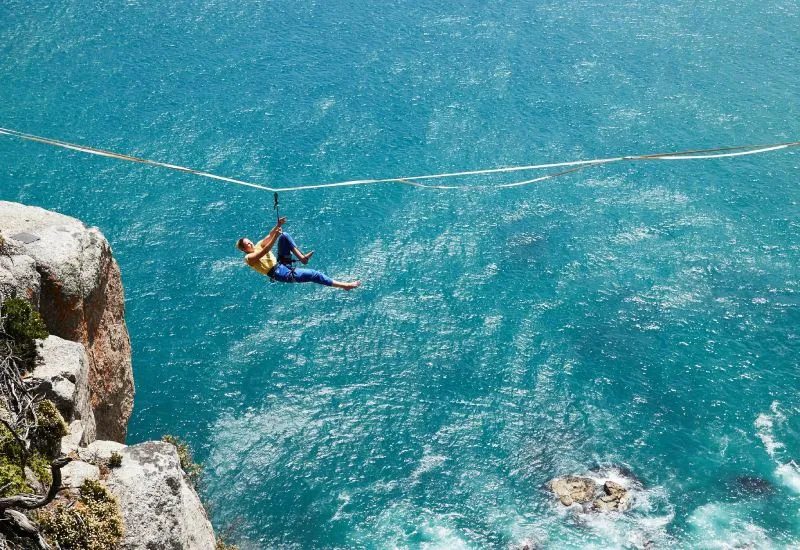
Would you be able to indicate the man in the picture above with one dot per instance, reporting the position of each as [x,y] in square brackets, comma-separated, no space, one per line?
[260,257]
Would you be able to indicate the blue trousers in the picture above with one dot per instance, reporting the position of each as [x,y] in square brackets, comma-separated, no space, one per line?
[286,274]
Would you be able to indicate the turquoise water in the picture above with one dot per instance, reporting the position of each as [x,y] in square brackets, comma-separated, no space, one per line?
[643,315]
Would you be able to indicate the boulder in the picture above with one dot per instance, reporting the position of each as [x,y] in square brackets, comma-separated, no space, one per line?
[159,505]
[615,496]
[68,272]
[76,472]
[100,451]
[571,489]
[62,375]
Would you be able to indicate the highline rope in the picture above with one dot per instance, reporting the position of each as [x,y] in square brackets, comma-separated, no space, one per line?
[416,181]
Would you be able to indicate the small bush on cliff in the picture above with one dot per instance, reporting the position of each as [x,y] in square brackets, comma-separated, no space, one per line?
[222,545]
[93,522]
[23,324]
[12,466]
[115,460]
[50,428]
[190,467]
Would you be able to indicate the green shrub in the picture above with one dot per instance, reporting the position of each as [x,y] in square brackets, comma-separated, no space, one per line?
[23,324]
[190,467]
[93,523]
[12,466]
[12,478]
[115,460]
[46,437]
[222,545]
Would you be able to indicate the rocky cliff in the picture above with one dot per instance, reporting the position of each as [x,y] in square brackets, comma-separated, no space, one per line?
[68,273]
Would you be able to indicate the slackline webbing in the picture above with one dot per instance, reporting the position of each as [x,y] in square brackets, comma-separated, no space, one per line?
[572,166]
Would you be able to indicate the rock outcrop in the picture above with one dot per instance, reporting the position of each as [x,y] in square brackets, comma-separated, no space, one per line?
[69,274]
[615,498]
[62,375]
[160,508]
[570,489]
[607,490]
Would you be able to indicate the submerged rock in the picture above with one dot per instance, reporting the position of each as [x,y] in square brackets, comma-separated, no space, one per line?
[751,485]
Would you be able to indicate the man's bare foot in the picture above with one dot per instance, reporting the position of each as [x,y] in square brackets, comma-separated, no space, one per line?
[350,285]
[304,259]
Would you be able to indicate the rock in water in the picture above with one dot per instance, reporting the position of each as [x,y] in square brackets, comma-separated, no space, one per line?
[613,488]
[752,485]
[571,489]
[71,277]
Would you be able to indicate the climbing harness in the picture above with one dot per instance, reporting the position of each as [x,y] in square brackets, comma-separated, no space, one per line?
[416,181]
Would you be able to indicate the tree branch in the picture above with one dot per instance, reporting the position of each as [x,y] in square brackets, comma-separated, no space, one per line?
[31,502]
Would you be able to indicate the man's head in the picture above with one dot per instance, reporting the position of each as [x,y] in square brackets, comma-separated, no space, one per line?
[245,245]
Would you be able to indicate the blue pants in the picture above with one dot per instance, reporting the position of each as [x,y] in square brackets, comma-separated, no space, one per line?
[285,274]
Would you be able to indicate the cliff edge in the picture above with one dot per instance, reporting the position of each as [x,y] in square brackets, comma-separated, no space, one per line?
[67,271]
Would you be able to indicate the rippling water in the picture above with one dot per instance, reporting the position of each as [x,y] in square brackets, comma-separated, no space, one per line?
[643,315]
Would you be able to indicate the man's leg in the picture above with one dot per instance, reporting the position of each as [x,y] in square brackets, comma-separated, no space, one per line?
[302,275]
[313,276]
[287,247]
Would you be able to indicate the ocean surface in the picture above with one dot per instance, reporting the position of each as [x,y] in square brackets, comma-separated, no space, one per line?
[639,315]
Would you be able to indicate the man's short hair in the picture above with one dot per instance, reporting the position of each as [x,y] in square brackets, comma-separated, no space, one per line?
[240,244]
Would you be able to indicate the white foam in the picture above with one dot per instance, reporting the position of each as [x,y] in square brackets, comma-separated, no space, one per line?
[789,474]
[718,525]
[766,424]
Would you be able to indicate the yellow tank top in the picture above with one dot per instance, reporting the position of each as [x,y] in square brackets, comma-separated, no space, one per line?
[266,263]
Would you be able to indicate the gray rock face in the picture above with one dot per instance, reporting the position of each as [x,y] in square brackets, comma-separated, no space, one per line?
[63,376]
[70,442]
[160,508]
[68,272]
[100,451]
[19,278]
[76,472]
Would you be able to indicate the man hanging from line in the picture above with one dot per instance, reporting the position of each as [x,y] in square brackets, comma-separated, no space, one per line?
[260,257]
